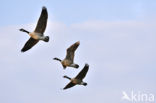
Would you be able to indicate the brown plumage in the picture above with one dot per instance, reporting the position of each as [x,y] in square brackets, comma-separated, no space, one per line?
[69,59]
[78,80]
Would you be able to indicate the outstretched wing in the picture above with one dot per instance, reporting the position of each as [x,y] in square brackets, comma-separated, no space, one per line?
[83,72]
[29,44]
[69,85]
[42,22]
[71,51]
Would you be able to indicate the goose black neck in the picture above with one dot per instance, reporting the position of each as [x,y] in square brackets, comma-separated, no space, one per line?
[57,59]
[23,30]
[67,77]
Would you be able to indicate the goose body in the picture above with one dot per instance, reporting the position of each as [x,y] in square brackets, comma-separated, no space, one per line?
[38,33]
[78,80]
[68,61]
[36,36]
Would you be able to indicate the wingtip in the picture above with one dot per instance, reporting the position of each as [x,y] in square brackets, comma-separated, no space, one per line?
[86,65]
[44,8]
[65,88]
[78,42]
[22,51]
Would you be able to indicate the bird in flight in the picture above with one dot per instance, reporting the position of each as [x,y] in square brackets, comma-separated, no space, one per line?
[69,59]
[78,80]
[38,33]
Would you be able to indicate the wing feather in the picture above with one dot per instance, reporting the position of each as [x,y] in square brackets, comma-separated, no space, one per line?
[69,85]
[42,22]
[71,51]
[83,72]
[29,44]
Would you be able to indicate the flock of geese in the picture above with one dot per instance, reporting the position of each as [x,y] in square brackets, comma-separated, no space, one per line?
[38,34]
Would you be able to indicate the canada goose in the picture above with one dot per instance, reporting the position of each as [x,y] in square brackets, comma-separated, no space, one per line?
[78,80]
[69,59]
[38,33]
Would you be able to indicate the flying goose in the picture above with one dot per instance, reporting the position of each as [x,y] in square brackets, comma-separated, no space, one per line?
[38,33]
[78,80]
[69,59]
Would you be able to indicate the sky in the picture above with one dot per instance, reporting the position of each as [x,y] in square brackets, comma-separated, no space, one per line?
[117,40]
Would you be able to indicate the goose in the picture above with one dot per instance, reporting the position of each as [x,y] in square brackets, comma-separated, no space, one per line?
[38,33]
[69,59]
[78,80]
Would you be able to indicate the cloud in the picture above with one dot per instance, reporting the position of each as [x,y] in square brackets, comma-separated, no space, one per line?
[119,39]
[114,51]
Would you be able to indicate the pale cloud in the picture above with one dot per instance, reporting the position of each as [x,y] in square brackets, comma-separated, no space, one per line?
[114,51]
[125,40]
